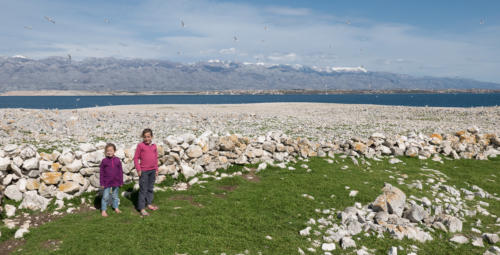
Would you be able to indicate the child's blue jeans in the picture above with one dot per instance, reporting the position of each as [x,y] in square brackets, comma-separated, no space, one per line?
[105,197]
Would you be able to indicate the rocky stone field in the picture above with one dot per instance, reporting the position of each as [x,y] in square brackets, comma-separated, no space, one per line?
[47,156]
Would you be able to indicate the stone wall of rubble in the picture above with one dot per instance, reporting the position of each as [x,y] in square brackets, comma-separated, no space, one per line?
[35,177]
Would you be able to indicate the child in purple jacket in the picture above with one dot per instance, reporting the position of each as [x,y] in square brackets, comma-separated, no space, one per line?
[111,178]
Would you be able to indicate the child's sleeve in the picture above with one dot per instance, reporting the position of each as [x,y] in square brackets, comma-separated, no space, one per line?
[136,158]
[101,174]
[156,161]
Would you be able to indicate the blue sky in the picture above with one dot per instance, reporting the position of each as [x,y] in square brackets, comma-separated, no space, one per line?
[437,38]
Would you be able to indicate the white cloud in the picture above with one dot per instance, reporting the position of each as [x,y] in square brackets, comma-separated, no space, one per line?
[288,11]
[290,57]
[227,51]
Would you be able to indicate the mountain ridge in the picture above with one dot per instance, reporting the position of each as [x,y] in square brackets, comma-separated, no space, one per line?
[141,75]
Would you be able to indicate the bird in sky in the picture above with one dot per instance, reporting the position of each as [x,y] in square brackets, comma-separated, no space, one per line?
[28,27]
[69,58]
[49,19]
[265,28]
[235,38]
[106,20]
[182,23]
[481,22]
[348,22]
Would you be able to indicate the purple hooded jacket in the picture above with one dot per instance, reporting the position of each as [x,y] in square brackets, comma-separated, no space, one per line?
[111,174]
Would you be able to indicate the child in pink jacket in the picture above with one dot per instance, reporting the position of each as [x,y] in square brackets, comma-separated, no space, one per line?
[146,164]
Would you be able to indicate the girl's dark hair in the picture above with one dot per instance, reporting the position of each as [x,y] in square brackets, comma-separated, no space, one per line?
[147,130]
[110,145]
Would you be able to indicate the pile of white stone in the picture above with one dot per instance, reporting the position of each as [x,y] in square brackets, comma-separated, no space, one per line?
[35,178]
[413,218]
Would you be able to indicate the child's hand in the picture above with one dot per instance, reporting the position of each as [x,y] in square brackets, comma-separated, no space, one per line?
[102,187]
[156,173]
[139,173]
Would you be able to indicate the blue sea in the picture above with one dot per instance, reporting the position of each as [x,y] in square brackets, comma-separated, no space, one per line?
[431,100]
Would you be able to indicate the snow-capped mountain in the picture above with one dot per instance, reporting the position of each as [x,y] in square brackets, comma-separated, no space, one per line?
[110,74]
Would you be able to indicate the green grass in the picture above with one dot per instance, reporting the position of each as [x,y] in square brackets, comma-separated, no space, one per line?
[238,220]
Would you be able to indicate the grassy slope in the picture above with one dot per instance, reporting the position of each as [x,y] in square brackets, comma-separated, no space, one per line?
[274,206]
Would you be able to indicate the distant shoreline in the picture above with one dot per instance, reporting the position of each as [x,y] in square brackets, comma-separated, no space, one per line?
[234,92]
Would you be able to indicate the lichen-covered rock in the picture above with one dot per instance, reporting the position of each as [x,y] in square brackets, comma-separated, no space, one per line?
[51,177]
[69,187]
[226,144]
[32,184]
[392,200]
[194,151]
[453,223]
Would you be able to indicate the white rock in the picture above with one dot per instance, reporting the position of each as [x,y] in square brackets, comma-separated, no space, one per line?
[187,171]
[416,214]
[28,152]
[67,157]
[87,147]
[459,239]
[477,242]
[33,201]
[347,242]
[20,233]
[194,151]
[395,161]
[305,231]
[353,193]
[453,223]
[12,192]
[4,163]
[21,184]
[10,210]
[193,181]
[393,251]
[491,238]
[100,145]
[301,252]
[328,246]
[7,179]
[10,148]
[30,164]
[74,166]
[426,202]
[392,200]
[262,166]
[493,250]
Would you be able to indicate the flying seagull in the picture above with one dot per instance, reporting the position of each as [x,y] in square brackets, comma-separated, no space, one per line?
[182,23]
[28,27]
[49,19]
[265,28]
[348,22]
[235,38]
[69,58]
[481,22]
[106,20]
